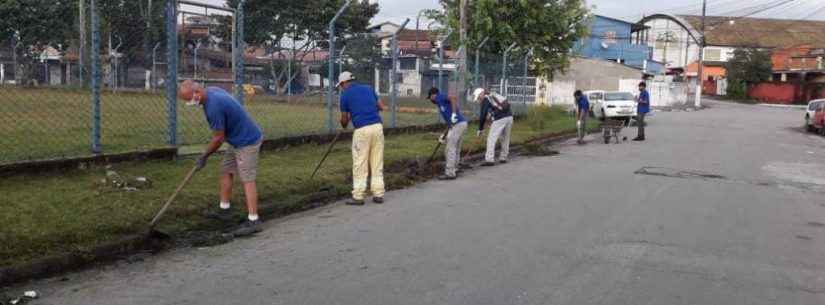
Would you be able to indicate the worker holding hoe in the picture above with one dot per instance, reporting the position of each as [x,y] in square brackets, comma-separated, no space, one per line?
[450,112]
[582,111]
[232,124]
[361,106]
[498,108]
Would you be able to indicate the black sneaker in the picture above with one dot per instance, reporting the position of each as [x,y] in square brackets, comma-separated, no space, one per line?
[355,202]
[378,200]
[488,164]
[502,161]
[220,214]
[247,228]
[638,139]
[465,166]
[447,177]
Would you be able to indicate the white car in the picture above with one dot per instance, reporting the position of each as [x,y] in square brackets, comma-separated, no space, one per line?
[616,105]
[810,112]
[594,96]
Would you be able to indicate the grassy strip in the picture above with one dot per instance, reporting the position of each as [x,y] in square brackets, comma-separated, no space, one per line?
[56,123]
[66,212]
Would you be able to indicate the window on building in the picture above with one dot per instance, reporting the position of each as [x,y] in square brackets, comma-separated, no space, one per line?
[713,54]
[407,63]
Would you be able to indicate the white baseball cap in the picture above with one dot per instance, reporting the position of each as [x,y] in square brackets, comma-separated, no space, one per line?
[477,93]
[344,77]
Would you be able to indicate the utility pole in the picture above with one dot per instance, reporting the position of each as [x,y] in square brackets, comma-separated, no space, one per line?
[700,77]
[82,45]
[462,54]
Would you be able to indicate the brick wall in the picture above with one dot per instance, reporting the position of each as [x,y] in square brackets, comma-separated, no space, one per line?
[775,92]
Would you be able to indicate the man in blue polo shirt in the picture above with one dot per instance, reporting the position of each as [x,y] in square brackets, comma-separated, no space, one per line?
[582,111]
[643,107]
[229,123]
[450,112]
[361,106]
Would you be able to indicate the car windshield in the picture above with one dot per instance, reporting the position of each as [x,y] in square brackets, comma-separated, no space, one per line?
[596,96]
[814,106]
[618,96]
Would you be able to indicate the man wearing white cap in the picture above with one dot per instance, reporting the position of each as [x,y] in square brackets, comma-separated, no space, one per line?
[497,107]
[361,106]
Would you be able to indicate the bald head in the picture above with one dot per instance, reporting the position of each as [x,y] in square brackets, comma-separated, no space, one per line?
[189,90]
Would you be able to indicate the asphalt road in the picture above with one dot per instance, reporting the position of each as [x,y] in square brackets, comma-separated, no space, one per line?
[731,210]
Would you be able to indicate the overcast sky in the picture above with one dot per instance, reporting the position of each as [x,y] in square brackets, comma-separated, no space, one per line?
[631,10]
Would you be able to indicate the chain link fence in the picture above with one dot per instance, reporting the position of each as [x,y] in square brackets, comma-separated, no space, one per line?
[111,86]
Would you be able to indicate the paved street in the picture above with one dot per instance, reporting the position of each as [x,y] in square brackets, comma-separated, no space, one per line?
[731,210]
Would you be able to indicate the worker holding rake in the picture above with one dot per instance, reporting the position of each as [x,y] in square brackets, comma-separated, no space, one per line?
[450,112]
[232,124]
[361,106]
[497,108]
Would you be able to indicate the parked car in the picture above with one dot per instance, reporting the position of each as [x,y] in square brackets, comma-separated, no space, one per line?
[616,105]
[594,96]
[818,120]
[810,112]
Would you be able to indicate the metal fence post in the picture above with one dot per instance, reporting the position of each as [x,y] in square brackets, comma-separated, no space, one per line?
[172,70]
[331,60]
[238,52]
[96,146]
[478,56]
[393,72]
[441,59]
[504,69]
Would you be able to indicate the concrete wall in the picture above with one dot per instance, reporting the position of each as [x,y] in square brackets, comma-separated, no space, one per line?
[594,74]
[663,92]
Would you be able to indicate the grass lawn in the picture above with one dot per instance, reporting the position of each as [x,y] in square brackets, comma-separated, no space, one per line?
[56,213]
[56,123]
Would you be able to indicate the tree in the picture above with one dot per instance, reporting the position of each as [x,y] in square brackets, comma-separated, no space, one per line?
[549,27]
[36,25]
[748,66]
[273,23]
[138,25]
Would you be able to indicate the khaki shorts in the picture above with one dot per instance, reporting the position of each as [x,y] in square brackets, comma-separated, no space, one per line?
[242,162]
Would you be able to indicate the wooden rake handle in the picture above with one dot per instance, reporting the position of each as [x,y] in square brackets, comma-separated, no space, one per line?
[172,198]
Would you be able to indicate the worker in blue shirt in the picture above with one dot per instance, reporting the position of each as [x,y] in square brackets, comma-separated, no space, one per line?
[450,112]
[230,123]
[643,107]
[582,111]
[361,106]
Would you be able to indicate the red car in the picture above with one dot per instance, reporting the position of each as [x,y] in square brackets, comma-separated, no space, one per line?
[818,121]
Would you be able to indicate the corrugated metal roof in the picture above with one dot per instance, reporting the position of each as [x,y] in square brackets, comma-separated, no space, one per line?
[759,32]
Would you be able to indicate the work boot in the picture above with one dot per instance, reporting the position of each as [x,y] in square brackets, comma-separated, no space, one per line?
[447,177]
[502,161]
[378,200]
[488,163]
[639,139]
[463,166]
[220,214]
[247,228]
[353,201]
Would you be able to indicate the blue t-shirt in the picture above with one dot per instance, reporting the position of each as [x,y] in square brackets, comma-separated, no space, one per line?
[583,104]
[446,109]
[644,102]
[223,112]
[362,103]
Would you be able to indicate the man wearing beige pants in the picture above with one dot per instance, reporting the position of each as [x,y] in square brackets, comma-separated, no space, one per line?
[361,106]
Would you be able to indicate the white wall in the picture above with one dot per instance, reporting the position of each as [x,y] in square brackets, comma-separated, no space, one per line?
[663,93]
[555,93]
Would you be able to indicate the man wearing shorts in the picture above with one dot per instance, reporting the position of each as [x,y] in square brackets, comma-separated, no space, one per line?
[232,124]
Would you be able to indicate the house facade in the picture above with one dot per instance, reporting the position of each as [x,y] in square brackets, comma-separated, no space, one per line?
[619,41]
